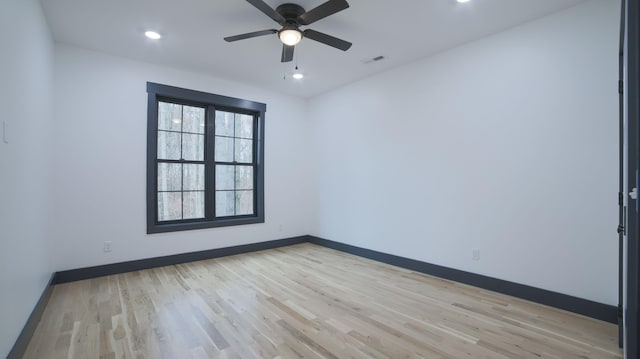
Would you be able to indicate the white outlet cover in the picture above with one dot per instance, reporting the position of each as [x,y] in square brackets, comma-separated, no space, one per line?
[475,254]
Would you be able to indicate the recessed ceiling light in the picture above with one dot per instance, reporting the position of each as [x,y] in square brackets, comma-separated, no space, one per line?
[297,74]
[153,35]
[176,120]
[463,1]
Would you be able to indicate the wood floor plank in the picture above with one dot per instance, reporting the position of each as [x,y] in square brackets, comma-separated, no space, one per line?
[304,301]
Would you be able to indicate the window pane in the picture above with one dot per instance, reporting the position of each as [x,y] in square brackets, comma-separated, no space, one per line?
[244,126]
[169,206]
[193,205]
[193,177]
[168,145]
[169,116]
[224,177]
[244,177]
[244,151]
[224,149]
[244,202]
[224,123]
[169,177]
[193,147]
[193,119]
[225,202]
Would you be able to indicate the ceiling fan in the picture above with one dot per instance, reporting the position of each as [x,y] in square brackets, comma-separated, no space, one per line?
[291,17]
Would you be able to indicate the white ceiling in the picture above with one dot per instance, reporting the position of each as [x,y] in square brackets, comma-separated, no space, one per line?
[401,31]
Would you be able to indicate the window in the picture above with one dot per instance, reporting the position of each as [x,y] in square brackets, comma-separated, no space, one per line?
[204,160]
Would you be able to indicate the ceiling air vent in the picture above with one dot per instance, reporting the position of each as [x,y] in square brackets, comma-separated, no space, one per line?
[374,59]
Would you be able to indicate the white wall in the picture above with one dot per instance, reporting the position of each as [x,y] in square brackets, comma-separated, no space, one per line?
[100,162]
[507,144]
[26,77]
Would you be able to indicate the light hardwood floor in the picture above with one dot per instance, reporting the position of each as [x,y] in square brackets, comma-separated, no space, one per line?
[304,301]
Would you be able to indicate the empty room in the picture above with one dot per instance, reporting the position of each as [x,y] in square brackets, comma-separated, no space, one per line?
[319,179]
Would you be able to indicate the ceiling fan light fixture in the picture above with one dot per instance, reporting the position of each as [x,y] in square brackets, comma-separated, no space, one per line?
[290,36]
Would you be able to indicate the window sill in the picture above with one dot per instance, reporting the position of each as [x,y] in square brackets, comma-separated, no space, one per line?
[174,227]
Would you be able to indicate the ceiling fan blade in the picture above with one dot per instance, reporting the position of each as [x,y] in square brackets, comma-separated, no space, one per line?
[328,8]
[249,35]
[268,10]
[327,39]
[287,53]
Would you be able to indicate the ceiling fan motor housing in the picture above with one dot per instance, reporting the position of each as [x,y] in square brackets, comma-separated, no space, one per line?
[290,12]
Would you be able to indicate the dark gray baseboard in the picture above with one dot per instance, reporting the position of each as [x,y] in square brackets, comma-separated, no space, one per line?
[24,338]
[131,266]
[605,312]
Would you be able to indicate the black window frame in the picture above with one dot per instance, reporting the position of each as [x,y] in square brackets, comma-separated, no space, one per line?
[212,102]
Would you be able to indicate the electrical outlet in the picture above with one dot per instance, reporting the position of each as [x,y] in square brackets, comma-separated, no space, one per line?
[475,254]
[107,246]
